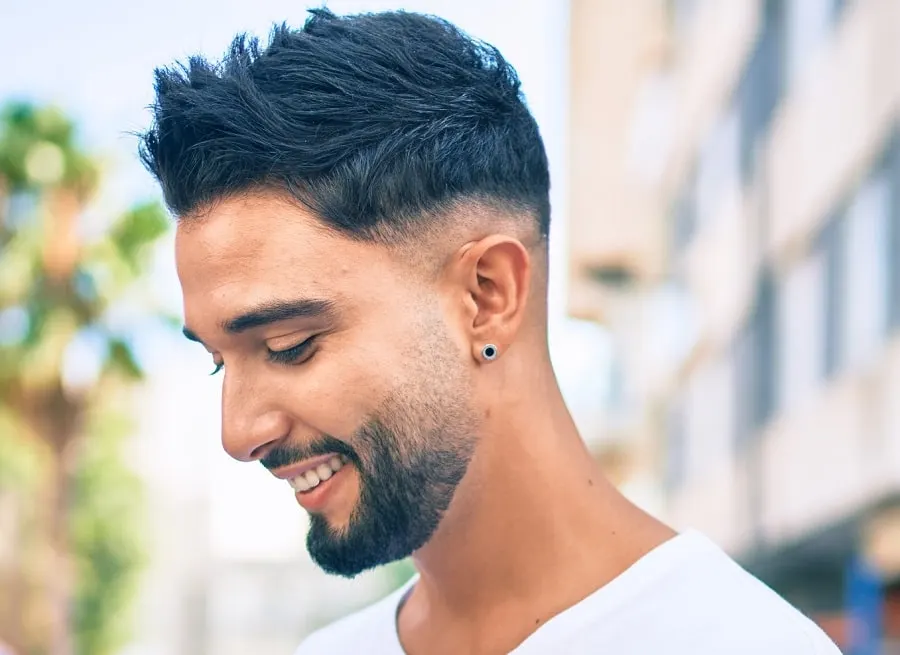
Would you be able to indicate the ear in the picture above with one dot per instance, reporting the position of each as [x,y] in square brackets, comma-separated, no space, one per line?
[495,276]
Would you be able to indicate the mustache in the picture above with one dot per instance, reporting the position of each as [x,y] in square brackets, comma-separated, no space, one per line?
[287,454]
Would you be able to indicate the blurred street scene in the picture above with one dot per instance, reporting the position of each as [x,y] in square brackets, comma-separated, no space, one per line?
[735,221]
[725,313]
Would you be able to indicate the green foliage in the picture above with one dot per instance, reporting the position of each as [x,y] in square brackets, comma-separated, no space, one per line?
[55,289]
[37,150]
[122,359]
[139,227]
[52,314]
[106,537]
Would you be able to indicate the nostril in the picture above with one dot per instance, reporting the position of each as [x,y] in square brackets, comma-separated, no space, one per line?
[261,451]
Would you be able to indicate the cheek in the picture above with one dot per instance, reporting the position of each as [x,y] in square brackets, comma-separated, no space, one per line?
[339,389]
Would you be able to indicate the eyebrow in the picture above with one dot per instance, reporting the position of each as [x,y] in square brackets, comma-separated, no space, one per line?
[272,312]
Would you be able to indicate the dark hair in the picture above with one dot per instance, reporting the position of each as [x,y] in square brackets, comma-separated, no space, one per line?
[374,121]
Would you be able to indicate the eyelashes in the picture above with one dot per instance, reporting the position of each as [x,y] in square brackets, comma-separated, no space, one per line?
[298,354]
[293,355]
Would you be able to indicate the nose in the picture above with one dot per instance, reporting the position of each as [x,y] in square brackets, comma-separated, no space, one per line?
[250,425]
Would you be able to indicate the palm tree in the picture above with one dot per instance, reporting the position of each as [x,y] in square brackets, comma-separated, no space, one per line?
[56,286]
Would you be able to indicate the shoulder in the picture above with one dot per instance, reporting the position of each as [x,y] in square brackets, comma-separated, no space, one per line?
[781,631]
[726,604]
[687,596]
[357,632]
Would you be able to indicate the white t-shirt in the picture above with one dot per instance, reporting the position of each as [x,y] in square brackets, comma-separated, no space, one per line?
[686,597]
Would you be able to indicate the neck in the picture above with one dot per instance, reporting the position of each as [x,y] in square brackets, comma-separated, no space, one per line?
[534,527]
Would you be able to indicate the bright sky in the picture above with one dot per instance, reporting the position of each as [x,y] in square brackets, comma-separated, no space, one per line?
[95,58]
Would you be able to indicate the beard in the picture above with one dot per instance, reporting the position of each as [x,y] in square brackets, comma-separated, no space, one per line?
[410,457]
[404,492]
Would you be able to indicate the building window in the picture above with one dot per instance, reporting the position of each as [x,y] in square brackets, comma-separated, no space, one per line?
[676,444]
[808,24]
[755,364]
[801,329]
[684,214]
[860,243]
[830,241]
[764,324]
[744,373]
[837,9]
[718,167]
[892,167]
[761,86]
[865,283]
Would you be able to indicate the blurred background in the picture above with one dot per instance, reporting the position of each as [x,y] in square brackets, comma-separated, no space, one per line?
[725,300]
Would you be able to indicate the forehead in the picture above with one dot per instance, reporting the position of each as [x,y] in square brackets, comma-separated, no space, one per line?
[261,247]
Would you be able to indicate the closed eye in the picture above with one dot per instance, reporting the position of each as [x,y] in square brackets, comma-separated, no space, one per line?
[293,355]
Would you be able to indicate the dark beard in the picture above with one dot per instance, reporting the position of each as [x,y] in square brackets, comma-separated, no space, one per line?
[406,485]
[408,475]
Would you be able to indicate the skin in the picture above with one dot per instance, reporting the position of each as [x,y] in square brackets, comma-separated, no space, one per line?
[533,527]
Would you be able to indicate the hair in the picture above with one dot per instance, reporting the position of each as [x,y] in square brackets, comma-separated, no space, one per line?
[378,123]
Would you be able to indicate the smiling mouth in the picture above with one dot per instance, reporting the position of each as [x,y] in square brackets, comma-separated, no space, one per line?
[312,478]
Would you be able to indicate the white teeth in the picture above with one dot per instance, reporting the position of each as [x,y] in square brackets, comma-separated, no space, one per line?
[299,484]
[322,472]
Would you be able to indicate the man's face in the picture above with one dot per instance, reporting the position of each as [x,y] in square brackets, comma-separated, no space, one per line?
[339,367]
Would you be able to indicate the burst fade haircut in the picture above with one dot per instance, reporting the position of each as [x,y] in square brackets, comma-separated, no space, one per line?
[378,123]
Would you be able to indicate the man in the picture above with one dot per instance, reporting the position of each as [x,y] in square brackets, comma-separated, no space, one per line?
[362,244]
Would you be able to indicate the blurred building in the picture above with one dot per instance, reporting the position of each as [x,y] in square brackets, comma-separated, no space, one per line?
[735,221]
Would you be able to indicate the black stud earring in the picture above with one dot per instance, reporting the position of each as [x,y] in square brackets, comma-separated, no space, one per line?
[489,352]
